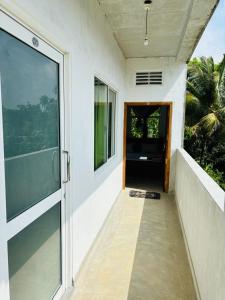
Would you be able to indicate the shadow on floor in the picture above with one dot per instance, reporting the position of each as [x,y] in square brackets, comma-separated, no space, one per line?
[160,269]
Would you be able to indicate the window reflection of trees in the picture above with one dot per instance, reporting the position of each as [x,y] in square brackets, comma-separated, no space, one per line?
[31,127]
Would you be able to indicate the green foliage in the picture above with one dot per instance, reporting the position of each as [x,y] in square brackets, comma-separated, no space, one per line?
[215,174]
[188,132]
[153,124]
[136,125]
[153,127]
[205,116]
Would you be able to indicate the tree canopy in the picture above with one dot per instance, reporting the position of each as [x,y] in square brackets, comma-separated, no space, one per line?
[205,115]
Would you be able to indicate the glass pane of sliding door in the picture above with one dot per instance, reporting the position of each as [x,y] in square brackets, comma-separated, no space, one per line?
[35,259]
[30,107]
[31,141]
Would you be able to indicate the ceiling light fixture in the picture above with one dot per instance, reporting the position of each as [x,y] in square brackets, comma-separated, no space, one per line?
[147,5]
[146,42]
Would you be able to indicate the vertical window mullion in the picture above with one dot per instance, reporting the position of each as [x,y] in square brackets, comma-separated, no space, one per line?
[4,272]
[114,126]
[112,116]
[107,127]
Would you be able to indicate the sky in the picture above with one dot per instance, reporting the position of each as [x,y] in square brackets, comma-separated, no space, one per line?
[212,42]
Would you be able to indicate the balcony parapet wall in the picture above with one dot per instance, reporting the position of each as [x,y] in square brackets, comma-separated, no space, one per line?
[200,203]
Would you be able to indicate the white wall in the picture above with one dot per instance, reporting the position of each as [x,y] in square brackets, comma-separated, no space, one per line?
[172,90]
[80,30]
[200,203]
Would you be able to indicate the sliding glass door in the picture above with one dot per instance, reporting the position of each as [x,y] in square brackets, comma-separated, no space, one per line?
[31,167]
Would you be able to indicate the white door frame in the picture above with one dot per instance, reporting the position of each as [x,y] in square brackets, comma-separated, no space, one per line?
[10,229]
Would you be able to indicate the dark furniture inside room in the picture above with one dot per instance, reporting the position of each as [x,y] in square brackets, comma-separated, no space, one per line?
[145,146]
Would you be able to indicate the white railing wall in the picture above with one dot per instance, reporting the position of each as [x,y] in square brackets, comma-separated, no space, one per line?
[200,204]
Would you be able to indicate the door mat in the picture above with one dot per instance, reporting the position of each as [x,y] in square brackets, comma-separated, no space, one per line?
[146,195]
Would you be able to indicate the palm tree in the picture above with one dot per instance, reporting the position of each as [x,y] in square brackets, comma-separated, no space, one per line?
[205,102]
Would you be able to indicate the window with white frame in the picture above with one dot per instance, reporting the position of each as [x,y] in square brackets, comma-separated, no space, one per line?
[104,123]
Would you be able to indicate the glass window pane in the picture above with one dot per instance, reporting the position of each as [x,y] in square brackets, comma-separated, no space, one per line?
[135,123]
[111,123]
[35,259]
[30,105]
[101,114]
[153,124]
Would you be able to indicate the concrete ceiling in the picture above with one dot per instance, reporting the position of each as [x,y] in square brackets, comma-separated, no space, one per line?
[174,26]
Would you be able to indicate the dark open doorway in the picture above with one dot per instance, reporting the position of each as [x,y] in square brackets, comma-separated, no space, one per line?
[147,128]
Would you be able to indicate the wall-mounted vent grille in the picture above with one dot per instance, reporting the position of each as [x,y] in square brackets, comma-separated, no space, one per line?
[147,78]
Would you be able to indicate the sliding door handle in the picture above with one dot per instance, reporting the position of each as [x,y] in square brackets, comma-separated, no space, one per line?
[67,166]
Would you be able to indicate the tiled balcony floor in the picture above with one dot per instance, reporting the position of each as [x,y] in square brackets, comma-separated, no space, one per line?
[139,255]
